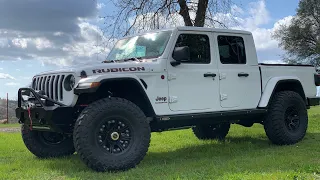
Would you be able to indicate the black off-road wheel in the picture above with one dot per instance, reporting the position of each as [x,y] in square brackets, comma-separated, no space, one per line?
[112,134]
[207,132]
[47,144]
[287,119]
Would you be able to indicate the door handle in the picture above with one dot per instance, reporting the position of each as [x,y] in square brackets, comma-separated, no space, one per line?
[243,74]
[209,75]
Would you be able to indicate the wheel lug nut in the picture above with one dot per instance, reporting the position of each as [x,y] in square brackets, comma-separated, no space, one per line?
[103,126]
[101,129]
[104,146]
[99,137]
[122,125]
[108,149]
[118,149]
[100,140]
[112,121]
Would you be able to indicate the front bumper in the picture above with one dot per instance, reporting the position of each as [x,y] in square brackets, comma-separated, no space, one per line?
[44,114]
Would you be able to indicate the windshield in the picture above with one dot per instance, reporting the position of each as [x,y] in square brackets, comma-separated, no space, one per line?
[148,45]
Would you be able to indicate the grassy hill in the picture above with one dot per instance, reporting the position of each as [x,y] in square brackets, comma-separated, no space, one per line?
[12,106]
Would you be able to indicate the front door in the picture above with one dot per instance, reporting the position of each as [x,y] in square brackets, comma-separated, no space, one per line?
[238,72]
[194,84]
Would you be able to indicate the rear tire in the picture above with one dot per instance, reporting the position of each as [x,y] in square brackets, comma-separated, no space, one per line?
[112,134]
[206,132]
[47,144]
[287,120]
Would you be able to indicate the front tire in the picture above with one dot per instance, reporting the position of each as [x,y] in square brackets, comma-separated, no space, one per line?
[112,134]
[47,144]
[207,132]
[287,120]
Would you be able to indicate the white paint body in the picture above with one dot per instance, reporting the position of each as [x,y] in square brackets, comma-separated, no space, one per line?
[185,87]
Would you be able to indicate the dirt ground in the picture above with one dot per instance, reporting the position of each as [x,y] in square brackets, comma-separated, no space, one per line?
[10,129]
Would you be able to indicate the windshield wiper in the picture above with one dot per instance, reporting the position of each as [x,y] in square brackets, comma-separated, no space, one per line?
[133,59]
[128,59]
[109,61]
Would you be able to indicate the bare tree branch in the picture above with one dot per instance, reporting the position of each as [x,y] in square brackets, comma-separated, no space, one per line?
[134,16]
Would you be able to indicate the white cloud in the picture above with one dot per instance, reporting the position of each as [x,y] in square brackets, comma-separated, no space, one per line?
[1,69]
[3,42]
[100,5]
[58,33]
[66,39]
[20,42]
[284,21]
[259,14]
[42,43]
[5,76]
[12,84]
[236,10]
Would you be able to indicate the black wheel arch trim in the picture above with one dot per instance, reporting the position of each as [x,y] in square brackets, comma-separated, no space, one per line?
[140,83]
[286,81]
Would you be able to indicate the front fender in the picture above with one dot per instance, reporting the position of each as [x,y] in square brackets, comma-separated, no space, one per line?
[271,86]
[92,83]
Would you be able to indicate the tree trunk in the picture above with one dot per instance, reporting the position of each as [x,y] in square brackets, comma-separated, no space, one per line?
[201,13]
[184,12]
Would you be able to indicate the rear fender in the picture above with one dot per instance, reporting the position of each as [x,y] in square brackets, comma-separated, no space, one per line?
[271,86]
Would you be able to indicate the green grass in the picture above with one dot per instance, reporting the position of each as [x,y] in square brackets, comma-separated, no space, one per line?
[9,125]
[246,154]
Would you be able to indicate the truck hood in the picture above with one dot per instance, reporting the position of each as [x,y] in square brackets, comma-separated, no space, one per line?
[112,67]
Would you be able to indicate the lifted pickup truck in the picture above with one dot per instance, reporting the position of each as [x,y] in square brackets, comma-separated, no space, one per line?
[185,77]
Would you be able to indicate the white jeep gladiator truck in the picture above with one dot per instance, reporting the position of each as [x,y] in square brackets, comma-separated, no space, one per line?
[185,77]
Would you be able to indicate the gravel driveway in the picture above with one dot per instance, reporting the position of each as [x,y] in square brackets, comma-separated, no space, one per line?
[10,129]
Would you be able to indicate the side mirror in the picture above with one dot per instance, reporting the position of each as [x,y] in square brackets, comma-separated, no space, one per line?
[180,54]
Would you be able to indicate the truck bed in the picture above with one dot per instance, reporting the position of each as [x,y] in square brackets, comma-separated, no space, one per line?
[303,73]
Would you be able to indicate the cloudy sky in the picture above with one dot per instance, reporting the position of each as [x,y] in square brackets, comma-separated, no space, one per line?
[40,35]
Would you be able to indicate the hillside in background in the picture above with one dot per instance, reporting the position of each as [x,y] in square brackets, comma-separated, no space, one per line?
[3,112]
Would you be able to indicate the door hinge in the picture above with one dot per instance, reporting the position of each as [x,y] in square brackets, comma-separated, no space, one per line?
[173,99]
[223,97]
[222,76]
[172,76]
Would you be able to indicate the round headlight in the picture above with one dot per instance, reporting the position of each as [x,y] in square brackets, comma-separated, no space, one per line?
[69,83]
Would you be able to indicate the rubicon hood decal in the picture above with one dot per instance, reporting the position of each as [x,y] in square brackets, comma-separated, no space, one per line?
[120,69]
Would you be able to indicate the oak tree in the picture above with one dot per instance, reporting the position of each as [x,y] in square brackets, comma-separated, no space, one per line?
[301,37]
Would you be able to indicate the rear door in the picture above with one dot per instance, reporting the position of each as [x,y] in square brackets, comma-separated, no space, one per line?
[238,71]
